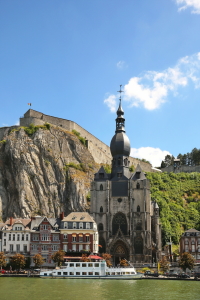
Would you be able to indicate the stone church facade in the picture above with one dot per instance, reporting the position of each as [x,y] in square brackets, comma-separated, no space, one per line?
[128,221]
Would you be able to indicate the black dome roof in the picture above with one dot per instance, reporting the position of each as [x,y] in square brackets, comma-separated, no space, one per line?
[120,144]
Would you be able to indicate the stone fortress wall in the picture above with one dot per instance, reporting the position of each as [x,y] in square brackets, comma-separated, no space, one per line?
[99,150]
[185,169]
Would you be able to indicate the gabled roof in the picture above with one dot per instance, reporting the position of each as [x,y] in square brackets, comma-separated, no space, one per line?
[38,220]
[25,222]
[138,170]
[102,171]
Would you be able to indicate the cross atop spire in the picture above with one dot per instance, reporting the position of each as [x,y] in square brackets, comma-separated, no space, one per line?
[120,91]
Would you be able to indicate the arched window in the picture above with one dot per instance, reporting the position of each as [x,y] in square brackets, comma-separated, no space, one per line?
[100,227]
[101,187]
[138,208]
[138,185]
[138,226]
[125,161]
[138,245]
[102,242]
[119,221]
[119,161]
[101,209]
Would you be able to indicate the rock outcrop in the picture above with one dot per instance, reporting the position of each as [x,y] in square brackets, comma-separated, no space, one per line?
[44,173]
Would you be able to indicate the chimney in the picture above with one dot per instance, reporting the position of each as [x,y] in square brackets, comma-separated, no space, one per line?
[62,216]
[11,221]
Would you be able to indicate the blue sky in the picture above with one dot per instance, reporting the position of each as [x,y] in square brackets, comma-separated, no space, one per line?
[68,58]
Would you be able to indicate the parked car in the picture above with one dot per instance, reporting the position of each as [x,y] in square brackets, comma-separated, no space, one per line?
[197,275]
[183,275]
[149,273]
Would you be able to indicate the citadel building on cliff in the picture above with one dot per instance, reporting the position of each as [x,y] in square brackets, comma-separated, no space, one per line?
[128,221]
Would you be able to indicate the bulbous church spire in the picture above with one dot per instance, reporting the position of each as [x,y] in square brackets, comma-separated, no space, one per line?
[120,144]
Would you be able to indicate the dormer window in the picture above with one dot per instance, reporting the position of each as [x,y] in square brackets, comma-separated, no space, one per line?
[87,225]
[137,175]
[81,225]
[119,175]
[74,224]
[101,175]
[66,225]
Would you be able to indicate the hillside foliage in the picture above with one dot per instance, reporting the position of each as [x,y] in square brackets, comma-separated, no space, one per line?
[178,197]
[188,159]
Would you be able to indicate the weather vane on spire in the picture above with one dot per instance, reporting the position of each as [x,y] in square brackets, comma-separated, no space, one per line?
[120,91]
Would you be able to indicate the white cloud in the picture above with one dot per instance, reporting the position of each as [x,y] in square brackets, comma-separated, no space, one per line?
[153,155]
[111,102]
[17,123]
[194,4]
[121,64]
[153,88]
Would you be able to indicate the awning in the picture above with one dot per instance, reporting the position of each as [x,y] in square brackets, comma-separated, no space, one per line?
[87,234]
[73,234]
[95,257]
[80,235]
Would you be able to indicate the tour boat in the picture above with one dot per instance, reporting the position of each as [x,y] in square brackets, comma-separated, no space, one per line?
[91,270]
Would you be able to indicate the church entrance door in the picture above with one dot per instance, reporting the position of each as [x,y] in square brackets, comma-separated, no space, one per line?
[119,251]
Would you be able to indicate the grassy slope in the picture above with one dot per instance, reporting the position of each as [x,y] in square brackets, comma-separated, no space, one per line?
[178,196]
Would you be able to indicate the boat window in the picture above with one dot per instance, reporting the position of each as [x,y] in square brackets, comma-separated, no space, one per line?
[117,273]
[127,273]
[84,265]
[71,265]
[78,273]
[59,273]
[65,273]
[90,273]
[96,273]
[45,274]
[84,273]
[90,265]
[132,272]
[96,265]
[113,273]
[78,265]
[123,273]
[71,273]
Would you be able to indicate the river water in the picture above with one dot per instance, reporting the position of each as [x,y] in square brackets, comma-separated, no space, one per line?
[89,289]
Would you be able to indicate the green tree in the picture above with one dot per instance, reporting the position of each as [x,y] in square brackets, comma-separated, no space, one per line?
[38,260]
[186,261]
[58,257]
[2,260]
[18,261]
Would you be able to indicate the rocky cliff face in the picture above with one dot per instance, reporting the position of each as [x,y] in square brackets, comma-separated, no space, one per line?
[34,178]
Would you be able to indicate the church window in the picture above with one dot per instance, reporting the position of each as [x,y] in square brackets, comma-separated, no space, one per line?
[138,208]
[138,185]
[139,226]
[101,175]
[119,161]
[100,226]
[125,161]
[119,222]
[101,187]
[119,200]
[101,209]
[137,175]
[138,245]
[119,175]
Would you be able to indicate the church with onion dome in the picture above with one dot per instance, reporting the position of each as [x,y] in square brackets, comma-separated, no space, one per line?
[128,221]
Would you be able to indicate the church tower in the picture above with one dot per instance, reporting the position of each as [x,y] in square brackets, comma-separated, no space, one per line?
[121,205]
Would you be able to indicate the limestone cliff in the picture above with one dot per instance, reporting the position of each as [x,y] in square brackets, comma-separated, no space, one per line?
[34,178]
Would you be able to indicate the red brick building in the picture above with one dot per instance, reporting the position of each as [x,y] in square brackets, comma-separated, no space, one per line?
[45,238]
